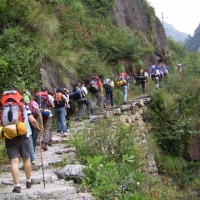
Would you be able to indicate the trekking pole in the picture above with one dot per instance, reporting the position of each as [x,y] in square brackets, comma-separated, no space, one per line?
[42,160]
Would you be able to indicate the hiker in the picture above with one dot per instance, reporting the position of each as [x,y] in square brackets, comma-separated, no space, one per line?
[66,93]
[96,89]
[82,92]
[45,102]
[159,68]
[124,83]
[108,85]
[165,71]
[15,120]
[155,74]
[34,108]
[180,67]
[60,103]
[142,77]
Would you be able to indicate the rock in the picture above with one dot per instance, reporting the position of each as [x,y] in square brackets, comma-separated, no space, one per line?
[84,196]
[133,111]
[152,164]
[153,170]
[137,116]
[108,114]
[126,107]
[123,118]
[128,119]
[133,118]
[140,110]
[117,111]
[140,103]
[66,151]
[74,172]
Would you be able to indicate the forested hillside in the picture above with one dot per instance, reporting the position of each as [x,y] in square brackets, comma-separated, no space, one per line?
[54,43]
[63,37]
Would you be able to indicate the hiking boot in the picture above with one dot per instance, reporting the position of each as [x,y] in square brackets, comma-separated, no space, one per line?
[33,162]
[50,143]
[77,120]
[29,184]
[16,190]
[44,146]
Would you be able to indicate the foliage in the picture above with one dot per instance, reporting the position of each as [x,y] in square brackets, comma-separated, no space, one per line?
[112,155]
[175,118]
[3,153]
[174,109]
[17,57]
[99,8]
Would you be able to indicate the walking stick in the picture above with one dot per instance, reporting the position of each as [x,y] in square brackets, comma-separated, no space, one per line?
[42,160]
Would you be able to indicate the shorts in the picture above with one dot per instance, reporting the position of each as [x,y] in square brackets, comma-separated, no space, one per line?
[18,147]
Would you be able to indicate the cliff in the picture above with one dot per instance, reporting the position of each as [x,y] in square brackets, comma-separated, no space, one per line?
[138,15]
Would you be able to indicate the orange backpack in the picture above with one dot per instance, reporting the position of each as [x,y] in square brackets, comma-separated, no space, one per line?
[59,101]
[12,114]
[12,107]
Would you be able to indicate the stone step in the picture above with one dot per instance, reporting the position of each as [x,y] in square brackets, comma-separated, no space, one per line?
[55,188]
[58,190]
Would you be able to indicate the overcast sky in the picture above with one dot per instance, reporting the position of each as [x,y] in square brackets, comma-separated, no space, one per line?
[184,15]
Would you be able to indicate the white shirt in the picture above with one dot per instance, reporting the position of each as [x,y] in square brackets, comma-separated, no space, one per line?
[146,74]
[84,89]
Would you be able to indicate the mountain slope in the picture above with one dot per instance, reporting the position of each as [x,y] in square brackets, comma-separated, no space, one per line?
[175,34]
[193,43]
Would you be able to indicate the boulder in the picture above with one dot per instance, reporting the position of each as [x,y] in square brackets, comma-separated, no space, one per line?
[74,172]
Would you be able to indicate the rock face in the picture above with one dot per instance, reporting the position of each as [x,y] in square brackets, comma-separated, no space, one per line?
[137,15]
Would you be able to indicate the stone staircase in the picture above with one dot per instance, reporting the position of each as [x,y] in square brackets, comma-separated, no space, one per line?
[55,188]
[60,154]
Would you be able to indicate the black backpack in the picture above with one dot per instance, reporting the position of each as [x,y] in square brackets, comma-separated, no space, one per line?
[142,76]
[42,99]
[107,83]
[94,84]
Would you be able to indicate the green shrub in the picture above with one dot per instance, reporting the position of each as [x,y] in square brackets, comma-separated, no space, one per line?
[3,153]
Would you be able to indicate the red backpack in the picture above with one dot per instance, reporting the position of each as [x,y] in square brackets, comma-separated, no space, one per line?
[94,84]
[12,108]
[42,99]
[122,76]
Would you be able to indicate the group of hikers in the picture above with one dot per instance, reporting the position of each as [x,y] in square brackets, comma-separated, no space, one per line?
[157,74]
[25,117]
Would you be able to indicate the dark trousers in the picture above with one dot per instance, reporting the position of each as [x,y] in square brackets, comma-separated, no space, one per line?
[143,83]
[82,102]
[109,95]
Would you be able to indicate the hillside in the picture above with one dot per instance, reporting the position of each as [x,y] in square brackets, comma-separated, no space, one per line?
[193,43]
[55,43]
[62,37]
[174,33]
